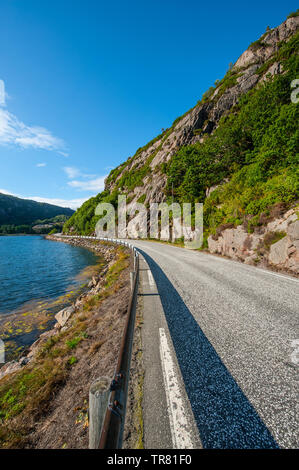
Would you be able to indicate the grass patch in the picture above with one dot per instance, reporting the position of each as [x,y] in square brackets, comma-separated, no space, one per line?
[273,237]
[141,199]
[23,397]
[72,360]
[122,262]
[73,343]
[293,14]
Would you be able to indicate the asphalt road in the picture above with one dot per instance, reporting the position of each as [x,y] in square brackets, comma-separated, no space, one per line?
[233,329]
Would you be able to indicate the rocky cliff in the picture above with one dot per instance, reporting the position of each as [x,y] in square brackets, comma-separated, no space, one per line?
[236,150]
[246,73]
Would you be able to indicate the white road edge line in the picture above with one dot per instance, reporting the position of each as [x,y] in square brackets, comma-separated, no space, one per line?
[287,278]
[179,427]
[150,279]
[251,268]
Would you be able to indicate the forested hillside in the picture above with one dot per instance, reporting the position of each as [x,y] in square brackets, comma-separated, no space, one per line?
[19,215]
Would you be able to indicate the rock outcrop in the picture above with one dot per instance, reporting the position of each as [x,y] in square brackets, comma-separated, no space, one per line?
[257,247]
[143,177]
[285,252]
[64,315]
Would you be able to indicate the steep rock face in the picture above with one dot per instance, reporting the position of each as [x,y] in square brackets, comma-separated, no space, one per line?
[269,43]
[204,117]
[253,248]
[285,253]
[143,177]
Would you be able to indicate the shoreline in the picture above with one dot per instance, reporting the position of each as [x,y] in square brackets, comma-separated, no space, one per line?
[48,388]
[24,326]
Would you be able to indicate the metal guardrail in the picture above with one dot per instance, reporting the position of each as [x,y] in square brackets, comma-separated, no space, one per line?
[111,433]
[113,427]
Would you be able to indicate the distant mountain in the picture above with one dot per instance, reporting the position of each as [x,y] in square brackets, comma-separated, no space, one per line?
[16,211]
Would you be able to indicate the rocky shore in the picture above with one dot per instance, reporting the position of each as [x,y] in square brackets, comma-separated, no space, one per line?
[63,317]
[44,395]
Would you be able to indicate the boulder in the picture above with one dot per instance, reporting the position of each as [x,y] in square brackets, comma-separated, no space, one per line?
[64,315]
[293,231]
[9,368]
[282,224]
[95,280]
[24,360]
[279,252]
[251,260]
[47,335]
[34,348]
[213,245]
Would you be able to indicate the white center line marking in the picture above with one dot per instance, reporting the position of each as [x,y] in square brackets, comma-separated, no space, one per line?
[179,427]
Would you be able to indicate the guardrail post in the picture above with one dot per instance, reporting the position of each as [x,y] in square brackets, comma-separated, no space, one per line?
[98,401]
[135,260]
[132,279]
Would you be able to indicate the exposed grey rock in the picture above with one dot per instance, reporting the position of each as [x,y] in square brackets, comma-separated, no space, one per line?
[279,252]
[47,334]
[234,242]
[204,118]
[9,368]
[24,360]
[238,244]
[270,41]
[250,260]
[293,231]
[63,316]
[275,69]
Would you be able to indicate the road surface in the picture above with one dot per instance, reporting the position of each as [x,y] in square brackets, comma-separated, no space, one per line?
[227,339]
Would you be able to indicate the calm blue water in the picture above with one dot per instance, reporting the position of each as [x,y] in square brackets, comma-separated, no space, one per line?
[32,268]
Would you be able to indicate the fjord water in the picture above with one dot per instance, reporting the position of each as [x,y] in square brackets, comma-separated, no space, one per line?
[33,268]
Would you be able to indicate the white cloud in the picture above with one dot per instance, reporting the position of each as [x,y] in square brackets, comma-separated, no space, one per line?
[3,191]
[41,165]
[91,182]
[15,132]
[96,184]
[72,172]
[72,203]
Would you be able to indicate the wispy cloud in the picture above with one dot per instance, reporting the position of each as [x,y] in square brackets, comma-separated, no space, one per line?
[96,184]
[15,132]
[41,165]
[72,172]
[72,203]
[87,183]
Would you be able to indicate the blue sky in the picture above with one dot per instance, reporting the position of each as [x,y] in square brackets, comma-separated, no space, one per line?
[87,82]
